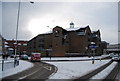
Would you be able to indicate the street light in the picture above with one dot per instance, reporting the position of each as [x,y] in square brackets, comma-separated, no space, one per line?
[51,40]
[18,16]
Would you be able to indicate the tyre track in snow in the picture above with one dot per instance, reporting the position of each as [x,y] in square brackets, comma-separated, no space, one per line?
[89,75]
[113,73]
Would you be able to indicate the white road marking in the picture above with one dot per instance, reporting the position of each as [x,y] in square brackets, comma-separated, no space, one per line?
[26,75]
[53,72]
[48,68]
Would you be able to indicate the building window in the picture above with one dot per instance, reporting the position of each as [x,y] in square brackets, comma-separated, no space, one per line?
[50,46]
[64,36]
[25,44]
[81,32]
[56,45]
[57,33]
[66,43]
[41,46]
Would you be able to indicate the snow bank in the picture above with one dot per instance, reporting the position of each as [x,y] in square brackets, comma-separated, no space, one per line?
[75,69]
[73,58]
[23,65]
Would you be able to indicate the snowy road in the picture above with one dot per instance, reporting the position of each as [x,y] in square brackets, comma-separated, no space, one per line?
[39,71]
[115,73]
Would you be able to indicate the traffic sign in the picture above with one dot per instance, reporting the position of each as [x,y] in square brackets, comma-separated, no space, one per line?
[93,46]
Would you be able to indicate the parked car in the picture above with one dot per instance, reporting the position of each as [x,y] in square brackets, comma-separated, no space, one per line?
[12,56]
[35,57]
[24,57]
[111,54]
[116,58]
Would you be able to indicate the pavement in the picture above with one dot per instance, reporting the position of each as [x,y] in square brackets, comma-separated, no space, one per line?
[39,72]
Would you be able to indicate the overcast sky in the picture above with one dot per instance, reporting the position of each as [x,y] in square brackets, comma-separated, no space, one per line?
[34,18]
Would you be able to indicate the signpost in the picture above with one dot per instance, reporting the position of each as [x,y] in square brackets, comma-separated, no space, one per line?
[93,47]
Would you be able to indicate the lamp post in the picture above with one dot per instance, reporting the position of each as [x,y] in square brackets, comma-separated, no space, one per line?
[18,17]
[51,41]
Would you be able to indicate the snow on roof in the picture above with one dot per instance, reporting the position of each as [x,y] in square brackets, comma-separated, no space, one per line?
[6,46]
[72,29]
[6,42]
[94,31]
[10,49]
[68,29]
[47,32]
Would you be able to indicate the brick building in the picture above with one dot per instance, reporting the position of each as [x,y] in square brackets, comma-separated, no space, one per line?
[66,42]
[2,45]
[41,43]
[21,46]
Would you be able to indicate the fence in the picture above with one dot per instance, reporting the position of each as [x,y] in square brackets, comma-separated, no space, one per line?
[7,64]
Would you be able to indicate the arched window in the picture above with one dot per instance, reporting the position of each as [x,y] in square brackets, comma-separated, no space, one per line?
[57,33]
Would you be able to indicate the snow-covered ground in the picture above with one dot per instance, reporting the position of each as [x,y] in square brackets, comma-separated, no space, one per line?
[73,58]
[75,69]
[66,69]
[105,72]
[23,65]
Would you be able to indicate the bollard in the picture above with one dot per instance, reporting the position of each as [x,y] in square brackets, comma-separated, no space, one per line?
[2,65]
[92,61]
[17,62]
[14,63]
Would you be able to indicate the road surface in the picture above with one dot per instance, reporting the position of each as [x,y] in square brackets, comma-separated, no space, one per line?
[40,72]
[118,75]
[114,74]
